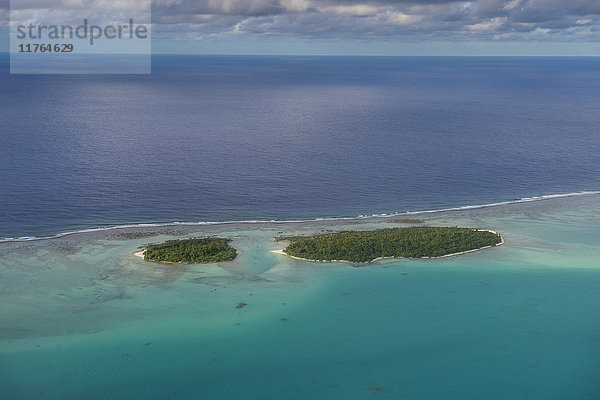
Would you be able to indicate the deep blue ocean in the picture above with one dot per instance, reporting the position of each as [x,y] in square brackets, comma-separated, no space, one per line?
[217,138]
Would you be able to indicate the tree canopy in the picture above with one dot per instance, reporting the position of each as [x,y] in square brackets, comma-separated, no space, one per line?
[366,246]
[191,251]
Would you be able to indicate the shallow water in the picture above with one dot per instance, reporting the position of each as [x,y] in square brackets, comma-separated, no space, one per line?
[82,317]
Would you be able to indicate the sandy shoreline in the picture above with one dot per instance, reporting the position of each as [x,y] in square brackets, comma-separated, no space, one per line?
[399,258]
[140,253]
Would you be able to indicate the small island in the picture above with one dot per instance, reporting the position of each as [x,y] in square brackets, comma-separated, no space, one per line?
[190,251]
[411,242]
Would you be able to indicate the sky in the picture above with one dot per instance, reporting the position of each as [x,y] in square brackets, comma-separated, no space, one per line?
[354,27]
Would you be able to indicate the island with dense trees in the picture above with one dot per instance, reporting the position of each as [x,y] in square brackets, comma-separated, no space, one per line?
[411,242]
[190,251]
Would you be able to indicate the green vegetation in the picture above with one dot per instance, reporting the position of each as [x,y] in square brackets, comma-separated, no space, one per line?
[366,246]
[191,251]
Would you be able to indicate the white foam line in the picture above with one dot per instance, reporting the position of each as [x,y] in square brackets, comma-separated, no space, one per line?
[176,223]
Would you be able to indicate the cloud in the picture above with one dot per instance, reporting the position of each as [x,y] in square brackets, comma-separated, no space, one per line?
[561,20]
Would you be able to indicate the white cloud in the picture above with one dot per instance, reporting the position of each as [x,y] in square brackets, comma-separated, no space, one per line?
[360,10]
[511,5]
[490,25]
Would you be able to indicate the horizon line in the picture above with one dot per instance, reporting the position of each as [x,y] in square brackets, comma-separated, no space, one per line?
[343,55]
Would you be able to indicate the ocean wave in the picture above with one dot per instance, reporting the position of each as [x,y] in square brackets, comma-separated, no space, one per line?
[256,221]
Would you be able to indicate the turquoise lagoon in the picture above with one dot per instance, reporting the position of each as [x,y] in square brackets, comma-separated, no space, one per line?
[83,318]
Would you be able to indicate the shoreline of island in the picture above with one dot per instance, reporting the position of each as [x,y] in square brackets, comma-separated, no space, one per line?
[198,250]
[141,255]
[282,252]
